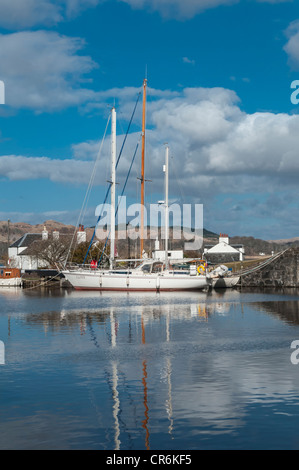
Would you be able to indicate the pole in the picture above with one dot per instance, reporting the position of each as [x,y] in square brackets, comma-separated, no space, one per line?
[113,183]
[142,168]
[166,207]
[8,233]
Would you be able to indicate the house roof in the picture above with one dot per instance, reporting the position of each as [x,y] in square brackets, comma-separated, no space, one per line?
[223,248]
[34,246]
[30,250]
[26,240]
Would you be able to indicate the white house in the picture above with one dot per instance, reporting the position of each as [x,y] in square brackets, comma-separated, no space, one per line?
[15,251]
[19,253]
[223,252]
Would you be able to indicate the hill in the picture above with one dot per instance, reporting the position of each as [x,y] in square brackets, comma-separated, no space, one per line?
[253,246]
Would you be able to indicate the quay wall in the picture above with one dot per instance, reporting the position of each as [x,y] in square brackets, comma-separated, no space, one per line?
[281,272]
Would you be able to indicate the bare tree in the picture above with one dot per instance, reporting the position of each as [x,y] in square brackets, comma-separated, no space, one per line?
[52,253]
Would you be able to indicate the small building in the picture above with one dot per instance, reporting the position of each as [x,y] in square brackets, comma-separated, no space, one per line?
[223,252]
[172,255]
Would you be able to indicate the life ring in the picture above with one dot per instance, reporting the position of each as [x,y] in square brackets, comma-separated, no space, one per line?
[201,269]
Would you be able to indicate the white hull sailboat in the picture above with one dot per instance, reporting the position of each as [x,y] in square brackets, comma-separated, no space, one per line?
[150,275]
[135,279]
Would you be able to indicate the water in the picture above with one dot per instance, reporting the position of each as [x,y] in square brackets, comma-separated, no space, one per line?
[149,371]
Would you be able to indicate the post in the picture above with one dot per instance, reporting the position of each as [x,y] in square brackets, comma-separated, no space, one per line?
[8,234]
[113,184]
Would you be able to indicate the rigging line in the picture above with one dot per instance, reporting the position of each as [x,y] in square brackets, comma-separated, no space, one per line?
[109,188]
[93,173]
[88,190]
[128,128]
[177,179]
[122,193]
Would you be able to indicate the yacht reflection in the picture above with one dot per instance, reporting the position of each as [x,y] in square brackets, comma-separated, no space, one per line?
[163,373]
[72,318]
[112,329]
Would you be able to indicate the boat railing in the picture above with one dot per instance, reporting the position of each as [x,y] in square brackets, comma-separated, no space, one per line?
[122,264]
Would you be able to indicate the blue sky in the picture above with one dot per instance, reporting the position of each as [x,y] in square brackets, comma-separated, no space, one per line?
[219,86]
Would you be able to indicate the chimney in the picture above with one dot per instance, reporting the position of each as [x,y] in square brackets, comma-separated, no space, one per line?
[224,238]
[55,235]
[81,234]
[45,234]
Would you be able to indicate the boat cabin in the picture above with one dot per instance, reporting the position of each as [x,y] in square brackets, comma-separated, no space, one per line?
[9,273]
[155,267]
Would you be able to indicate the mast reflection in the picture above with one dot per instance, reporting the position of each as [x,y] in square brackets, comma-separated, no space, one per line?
[115,396]
[144,383]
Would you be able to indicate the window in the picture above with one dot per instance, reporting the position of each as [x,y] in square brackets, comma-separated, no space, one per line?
[146,268]
[157,268]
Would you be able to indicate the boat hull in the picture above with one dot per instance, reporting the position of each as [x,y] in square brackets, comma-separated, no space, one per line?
[12,282]
[106,281]
[10,277]
[225,282]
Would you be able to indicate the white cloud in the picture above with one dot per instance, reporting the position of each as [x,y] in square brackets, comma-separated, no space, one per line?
[177,8]
[74,7]
[222,147]
[17,14]
[219,156]
[186,60]
[185,9]
[215,148]
[20,168]
[43,70]
[20,14]
[292,46]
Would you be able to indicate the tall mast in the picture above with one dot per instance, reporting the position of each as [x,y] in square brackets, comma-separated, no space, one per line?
[113,183]
[166,207]
[142,169]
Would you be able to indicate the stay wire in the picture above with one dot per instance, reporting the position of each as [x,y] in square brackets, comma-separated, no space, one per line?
[87,194]
[122,193]
[109,188]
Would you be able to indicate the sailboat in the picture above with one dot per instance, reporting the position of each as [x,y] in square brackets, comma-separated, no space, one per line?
[150,275]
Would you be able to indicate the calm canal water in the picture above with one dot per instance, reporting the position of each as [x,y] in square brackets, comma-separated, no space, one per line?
[149,371]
